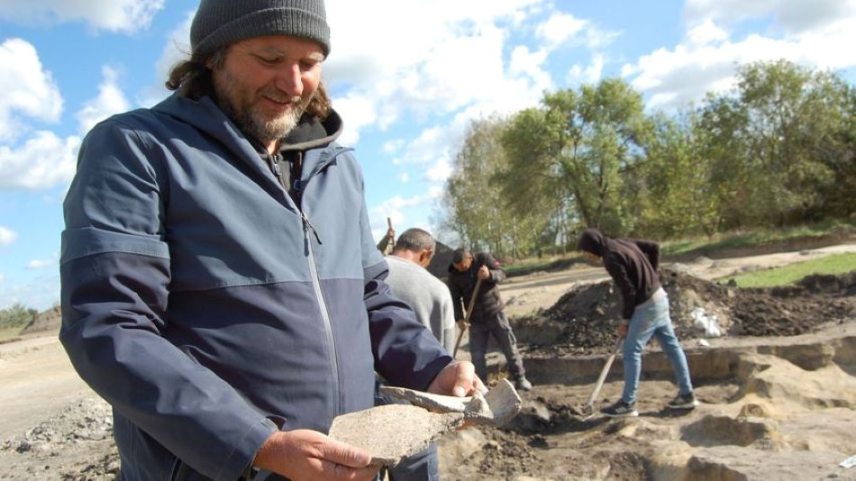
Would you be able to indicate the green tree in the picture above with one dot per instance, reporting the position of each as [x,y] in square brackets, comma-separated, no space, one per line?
[794,113]
[475,207]
[678,197]
[574,151]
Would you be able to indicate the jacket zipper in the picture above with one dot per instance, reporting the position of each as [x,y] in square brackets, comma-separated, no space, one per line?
[308,231]
[325,314]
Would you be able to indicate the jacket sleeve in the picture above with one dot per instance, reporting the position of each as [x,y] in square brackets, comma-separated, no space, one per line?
[618,271]
[651,250]
[115,273]
[405,353]
[497,273]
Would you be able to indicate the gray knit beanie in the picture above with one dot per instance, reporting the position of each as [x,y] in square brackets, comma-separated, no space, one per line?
[219,23]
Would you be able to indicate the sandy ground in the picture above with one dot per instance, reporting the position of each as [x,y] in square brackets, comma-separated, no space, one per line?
[802,421]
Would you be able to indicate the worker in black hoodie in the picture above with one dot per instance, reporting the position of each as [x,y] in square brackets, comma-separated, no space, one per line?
[632,264]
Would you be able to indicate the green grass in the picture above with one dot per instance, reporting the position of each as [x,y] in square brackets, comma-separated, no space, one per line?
[756,237]
[780,276]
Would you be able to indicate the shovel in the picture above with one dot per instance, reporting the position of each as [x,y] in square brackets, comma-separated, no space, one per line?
[587,411]
[467,316]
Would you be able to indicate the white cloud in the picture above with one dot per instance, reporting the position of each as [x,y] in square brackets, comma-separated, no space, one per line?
[28,89]
[176,49]
[706,60]
[43,161]
[125,16]
[439,172]
[404,177]
[706,32]
[793,16]
[436,192]
[110,100]
[560,28]
[590,74]
[431,142]
[357,112]
[392,146]
[41,264]
[393,208]
[449,60]
[7,236]
[2,278]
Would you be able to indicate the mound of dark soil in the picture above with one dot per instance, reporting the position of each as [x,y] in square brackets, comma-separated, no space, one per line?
[583,320]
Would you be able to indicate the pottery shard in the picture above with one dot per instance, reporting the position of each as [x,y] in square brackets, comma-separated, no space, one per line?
[392,432]
[497,407]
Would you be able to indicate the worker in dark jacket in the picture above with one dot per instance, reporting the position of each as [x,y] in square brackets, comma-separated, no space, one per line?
[487,318]
[633,264]
[220,284]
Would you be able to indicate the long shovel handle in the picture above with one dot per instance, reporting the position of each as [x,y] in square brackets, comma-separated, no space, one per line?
[467,316]
[603,373]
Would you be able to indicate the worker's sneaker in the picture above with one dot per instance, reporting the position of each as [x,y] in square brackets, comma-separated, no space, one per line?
[683,401]
[620,410]
[522,384]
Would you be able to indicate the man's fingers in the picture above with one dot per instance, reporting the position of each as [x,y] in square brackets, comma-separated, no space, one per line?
[345,454]
[465,374]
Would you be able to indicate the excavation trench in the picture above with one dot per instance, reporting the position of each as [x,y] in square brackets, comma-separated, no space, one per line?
[777,392]
[756,402]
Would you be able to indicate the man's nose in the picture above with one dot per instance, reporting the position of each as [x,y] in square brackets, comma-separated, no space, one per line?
[289,79]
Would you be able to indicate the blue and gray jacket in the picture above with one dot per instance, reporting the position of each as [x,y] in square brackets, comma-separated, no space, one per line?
[208,308]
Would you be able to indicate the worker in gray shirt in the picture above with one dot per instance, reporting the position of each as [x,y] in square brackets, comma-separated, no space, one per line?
[410,281]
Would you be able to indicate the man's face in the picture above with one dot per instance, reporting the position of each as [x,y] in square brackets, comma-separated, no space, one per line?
[464,265]
[265,84]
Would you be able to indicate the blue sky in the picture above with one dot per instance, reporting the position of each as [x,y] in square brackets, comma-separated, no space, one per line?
[406,75]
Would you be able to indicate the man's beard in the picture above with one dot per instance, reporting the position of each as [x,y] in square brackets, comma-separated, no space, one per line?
[241,110]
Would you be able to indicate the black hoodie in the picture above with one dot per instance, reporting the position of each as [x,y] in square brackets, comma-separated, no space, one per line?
[632,264]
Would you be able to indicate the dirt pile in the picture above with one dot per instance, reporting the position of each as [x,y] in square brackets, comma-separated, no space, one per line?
[583,320]
[74,445]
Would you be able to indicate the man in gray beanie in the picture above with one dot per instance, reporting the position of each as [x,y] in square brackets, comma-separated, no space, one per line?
[220,284]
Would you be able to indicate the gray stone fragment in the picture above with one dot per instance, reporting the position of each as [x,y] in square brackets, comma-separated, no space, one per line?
[392,432]
[498,406]
[504,402]
[395,431]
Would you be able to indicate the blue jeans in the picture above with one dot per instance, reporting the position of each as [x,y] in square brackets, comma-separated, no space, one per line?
[651,318]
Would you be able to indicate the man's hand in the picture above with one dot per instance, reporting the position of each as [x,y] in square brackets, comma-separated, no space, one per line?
[306,455]
[483,273]
[622,328]
[462,324]
[458,378]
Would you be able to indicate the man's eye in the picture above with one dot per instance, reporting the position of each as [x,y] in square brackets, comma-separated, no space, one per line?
[268,60]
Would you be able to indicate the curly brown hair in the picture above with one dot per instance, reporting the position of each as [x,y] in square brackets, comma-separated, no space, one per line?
[192,79]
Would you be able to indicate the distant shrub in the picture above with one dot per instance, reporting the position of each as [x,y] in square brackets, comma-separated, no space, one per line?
[16,316]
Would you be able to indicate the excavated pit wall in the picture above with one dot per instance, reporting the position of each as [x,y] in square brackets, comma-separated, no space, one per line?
[745,436]
[707,364]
